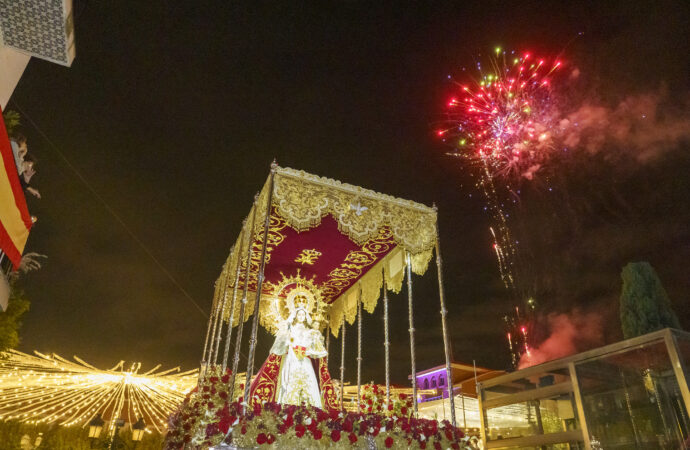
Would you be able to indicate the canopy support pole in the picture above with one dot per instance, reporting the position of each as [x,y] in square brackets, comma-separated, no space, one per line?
[228,332]
[359,350]
[208,333]
[386,340]
[243,303]
[410,314]
[259,285]
[446,339]
[221,307]
[342,368]
[211,346]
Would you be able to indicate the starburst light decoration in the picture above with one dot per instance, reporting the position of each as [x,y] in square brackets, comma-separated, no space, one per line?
[51,389]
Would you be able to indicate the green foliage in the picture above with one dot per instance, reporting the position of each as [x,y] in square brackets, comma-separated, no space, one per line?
[645,306]
[12,121]
[10,319]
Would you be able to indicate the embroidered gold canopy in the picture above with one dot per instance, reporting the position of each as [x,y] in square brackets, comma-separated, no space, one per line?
[335,239]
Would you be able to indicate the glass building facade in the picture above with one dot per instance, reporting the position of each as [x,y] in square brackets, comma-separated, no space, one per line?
[628,395]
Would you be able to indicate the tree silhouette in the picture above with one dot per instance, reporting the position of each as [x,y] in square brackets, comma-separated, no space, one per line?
[644,304]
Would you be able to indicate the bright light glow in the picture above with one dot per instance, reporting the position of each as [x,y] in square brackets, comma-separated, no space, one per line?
[52,389]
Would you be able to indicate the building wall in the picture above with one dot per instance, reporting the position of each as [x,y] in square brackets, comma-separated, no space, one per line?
[12,65]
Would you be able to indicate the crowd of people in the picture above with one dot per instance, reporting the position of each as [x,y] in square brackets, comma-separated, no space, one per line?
[25,164]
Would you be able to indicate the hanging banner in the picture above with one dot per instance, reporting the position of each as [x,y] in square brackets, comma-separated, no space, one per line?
[15,221]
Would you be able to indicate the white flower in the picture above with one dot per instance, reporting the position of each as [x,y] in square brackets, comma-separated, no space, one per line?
[307,421]
[237,420]
[371,429]
[422,437]
[383,429]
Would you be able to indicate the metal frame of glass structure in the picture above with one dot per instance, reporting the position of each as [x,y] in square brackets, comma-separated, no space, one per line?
[631,394]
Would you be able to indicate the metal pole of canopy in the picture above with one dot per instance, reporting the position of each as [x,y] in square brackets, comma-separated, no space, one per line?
[221,307]
[259,286]
[446,339]
[342,367]
[386,340]
[216,310]
[208,332]
[243,303]
[410,314]
[228,333]
[359,350]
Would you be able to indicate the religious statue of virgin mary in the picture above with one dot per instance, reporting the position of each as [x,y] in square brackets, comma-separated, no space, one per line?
[296,370]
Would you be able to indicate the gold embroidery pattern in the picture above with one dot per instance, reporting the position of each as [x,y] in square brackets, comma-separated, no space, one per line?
[264,387]
[308,256]
[275,238]
[355,263]
[329,395]
[304,199]
[298,391]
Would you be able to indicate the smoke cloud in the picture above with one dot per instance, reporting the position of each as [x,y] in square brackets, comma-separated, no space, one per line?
[643,127]
[568,334]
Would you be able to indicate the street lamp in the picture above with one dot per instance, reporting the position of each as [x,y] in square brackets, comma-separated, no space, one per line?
[138,430]
[95,428]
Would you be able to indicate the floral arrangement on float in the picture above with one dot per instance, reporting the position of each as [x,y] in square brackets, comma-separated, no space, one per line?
[207,417]
[374,401]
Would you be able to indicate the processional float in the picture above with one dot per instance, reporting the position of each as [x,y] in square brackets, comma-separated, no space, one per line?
[347,243]
[331,250]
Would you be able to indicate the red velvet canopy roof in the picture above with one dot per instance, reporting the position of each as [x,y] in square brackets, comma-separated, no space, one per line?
[332,235]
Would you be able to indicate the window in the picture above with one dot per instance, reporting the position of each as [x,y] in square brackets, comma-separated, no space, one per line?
[433,382]
[426,383]
[440,382]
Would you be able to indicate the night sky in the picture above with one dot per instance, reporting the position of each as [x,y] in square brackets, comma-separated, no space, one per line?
[173,111]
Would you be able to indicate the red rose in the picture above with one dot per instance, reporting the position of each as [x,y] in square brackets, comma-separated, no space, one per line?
[449,434]
[223,395]
[271,439]
[390,407]
[244,430]
[225,378]
[422,445]
[317,434]
[455,446]
[370,402]
[389,442]
[402,396]
[335,435]
[347,425]
[299,430]
[352,437]
[437,445]
[261,439]
[224,423]
[403,411]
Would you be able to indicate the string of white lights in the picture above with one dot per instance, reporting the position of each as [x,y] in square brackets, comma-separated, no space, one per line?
[50,389]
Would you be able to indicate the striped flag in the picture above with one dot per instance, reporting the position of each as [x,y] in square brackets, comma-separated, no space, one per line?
[15,221]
